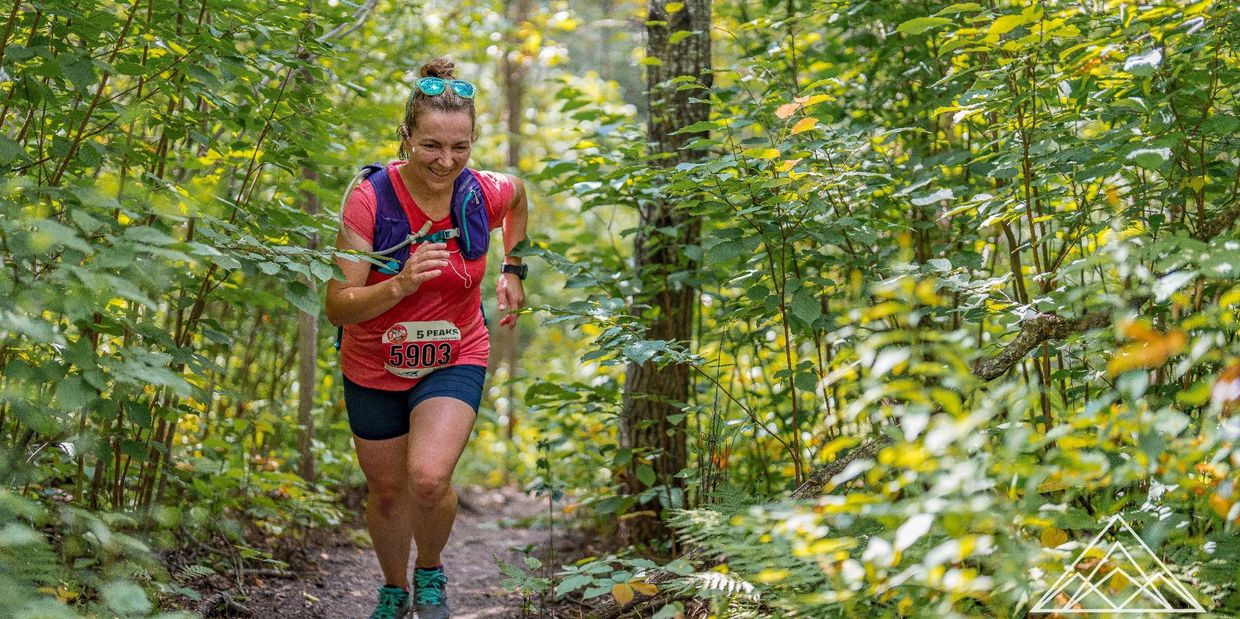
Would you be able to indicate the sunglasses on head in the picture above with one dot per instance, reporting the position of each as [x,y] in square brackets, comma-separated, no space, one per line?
[435,86]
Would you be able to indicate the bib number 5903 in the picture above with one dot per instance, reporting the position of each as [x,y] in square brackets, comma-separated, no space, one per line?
[419,354]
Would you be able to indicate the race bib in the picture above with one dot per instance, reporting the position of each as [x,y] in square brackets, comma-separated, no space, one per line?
[414,349]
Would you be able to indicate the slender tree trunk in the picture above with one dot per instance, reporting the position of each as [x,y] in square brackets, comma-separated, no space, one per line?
[504,342]
[307,356]
[653,396]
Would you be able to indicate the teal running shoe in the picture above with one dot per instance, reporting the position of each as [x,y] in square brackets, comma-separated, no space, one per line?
[430,593]
[394,603]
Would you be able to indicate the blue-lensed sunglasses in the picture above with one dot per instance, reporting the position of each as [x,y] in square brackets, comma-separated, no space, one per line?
[435,86]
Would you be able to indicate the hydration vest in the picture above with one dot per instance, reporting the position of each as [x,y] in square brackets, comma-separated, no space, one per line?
[393,236]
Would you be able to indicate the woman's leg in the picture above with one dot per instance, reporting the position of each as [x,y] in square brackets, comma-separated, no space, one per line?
[389,507]
[439,429]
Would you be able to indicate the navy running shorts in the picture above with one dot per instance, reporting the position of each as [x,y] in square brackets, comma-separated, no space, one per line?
[375,414]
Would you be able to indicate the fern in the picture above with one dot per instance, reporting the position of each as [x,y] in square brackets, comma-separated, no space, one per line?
[190,573]
[717,582]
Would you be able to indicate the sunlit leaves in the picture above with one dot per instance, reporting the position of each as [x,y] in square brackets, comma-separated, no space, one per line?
[1005,24]
[919,25]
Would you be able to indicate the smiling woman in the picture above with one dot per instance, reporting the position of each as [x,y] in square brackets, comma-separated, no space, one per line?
[415,345]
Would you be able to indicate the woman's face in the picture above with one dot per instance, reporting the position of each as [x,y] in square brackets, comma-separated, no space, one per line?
[439,148]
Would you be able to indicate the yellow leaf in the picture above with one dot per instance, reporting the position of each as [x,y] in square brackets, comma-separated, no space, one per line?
[770,575]
[808,101]
[904,606]
[622,592]
[761,153]
[674,7]
[644,588]
[172,45]
[1113,196]
[805,124]
[1053,537]
[786,165]
[787,109]
[1005,24]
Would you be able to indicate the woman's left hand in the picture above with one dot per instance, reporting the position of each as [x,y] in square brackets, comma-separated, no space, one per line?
[511,294]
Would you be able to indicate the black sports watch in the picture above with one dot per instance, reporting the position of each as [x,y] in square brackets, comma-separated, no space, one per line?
[520,270]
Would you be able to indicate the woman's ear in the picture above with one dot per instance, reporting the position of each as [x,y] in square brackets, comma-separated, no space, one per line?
[406,144]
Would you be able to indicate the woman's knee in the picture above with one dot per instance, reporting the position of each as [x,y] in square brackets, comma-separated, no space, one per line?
[429,487]
[387,495]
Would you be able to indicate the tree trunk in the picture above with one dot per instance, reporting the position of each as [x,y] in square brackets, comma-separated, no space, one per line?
[652,395]
[307,357]
[504,342]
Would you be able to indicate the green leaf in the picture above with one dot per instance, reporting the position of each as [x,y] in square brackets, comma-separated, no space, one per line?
[301,296]
[572,583]
[126,598]
[922,24]
[724,251]
[10,151]
[79,71]
[805,305]
[644,350]
[960,7]
[645,474]
[806,381]
[1150,158]
[322,271]
[73,393]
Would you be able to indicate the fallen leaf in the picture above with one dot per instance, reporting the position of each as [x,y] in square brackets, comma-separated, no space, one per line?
[644,588]
[622,592]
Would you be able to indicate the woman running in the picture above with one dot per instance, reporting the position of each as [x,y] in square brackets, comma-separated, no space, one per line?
[414,346]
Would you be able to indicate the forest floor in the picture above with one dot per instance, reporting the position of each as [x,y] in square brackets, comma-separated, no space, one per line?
[335,576]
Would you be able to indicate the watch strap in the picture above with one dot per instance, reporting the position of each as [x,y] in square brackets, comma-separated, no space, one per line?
[520,270]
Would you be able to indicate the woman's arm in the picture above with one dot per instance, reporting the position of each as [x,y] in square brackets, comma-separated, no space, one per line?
[351,300]
[510,289]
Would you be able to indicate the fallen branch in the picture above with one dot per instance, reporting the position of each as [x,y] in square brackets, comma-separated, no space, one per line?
[1033,333]
[223,601]
[818,478]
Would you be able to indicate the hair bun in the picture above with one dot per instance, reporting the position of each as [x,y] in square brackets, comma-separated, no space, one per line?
[440,67]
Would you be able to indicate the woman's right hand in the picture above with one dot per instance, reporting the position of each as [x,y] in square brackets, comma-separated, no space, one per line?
[424,263]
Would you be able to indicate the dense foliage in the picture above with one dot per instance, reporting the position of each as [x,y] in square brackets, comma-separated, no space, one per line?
[998,235]
[1002,238]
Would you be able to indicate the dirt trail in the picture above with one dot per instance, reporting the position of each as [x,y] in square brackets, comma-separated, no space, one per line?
[342,584]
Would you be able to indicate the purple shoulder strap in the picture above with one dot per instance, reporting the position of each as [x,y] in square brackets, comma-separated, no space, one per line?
[391,224]
[469,216]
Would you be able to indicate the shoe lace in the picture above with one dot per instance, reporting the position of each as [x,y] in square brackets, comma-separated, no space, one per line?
[430,586]
[389,602]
